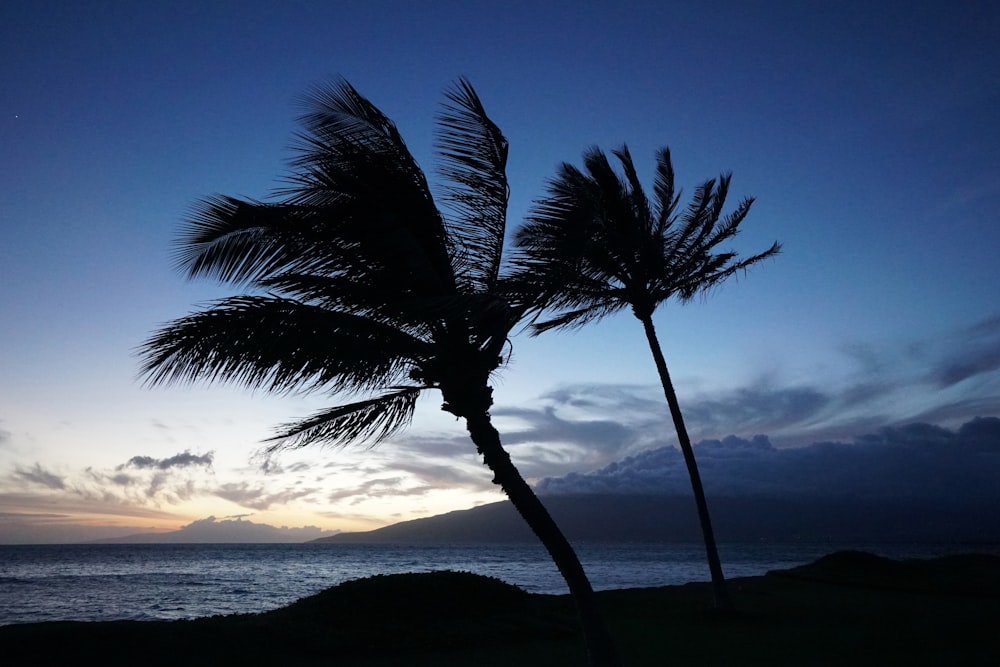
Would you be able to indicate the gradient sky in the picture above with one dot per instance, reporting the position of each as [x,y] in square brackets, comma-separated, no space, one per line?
[868,132]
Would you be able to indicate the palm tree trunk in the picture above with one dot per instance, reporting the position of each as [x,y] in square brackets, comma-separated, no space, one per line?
[719,590]
[600,647]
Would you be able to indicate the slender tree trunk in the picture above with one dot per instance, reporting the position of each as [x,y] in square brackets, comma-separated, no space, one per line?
[719,590]
[600,647]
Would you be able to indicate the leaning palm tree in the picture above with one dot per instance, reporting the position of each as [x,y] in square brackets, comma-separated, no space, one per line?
[355,284]
[596,245]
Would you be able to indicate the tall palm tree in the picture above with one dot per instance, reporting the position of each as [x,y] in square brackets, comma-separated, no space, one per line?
[596,245]
[356,284]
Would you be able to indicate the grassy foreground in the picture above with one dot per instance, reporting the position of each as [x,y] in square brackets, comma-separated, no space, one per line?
[849,608]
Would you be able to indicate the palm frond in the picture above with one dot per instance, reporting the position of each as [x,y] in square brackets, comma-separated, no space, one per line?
[236,240]
[342,127]
[578,318]
[473,160]
[696,223]
[636,195]
[666,198]
[695,263]
[372,421]
[715,275]
[279,345]
[730,224]
[377,298]
[719,196]
[352,155]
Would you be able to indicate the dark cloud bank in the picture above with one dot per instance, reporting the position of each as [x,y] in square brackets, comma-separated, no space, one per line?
[917,461]
[919,483]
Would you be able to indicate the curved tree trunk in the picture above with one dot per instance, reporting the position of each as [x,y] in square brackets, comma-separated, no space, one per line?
[719,590]
[600,647]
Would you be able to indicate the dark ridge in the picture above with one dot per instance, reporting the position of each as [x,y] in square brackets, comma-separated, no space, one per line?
[976,575]
[672,519]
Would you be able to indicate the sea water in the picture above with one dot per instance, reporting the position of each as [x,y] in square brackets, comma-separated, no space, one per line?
[175,581]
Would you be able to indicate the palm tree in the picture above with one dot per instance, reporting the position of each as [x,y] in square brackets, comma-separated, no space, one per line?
[596,245]
[356,284]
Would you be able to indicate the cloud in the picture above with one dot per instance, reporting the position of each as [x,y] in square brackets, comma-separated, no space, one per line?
[376,488]
[34,518]
[141,482]
[40,476]
[150,484]
[183,460]
[913,462]
[946,380]
[245,494]
[582,425]
[547,426]
[973,352]
[441,475]
[269,465]
[759,408]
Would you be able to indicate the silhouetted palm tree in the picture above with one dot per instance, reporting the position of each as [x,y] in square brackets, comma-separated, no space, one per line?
[596,245]
[356,283]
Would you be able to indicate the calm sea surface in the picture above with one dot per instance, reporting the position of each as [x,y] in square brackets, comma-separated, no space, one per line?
[174,581]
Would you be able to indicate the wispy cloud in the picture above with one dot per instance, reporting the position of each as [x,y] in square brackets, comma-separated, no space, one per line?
[972,352]
[761,408]
[40,476]
[259,497]
[377,488]
[25,508]
[946,380]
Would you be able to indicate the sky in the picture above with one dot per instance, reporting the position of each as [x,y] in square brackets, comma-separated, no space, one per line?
[867,132]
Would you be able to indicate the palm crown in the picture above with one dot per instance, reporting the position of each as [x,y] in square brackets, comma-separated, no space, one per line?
[597,244]
[356,282]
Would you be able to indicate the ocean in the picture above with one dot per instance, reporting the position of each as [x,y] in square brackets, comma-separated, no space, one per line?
[106,582]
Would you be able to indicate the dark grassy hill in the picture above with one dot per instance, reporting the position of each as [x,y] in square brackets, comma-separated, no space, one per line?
[845,609]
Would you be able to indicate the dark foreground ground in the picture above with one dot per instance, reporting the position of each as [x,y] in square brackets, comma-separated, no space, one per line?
[849,608]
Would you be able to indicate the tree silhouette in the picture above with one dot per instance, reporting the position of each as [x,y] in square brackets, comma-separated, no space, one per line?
[356,284]
[596,245]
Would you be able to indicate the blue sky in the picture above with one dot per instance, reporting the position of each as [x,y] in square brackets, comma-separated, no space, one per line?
[867,132]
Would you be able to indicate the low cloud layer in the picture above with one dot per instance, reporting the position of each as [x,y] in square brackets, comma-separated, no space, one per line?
[237,530]
[913,462]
